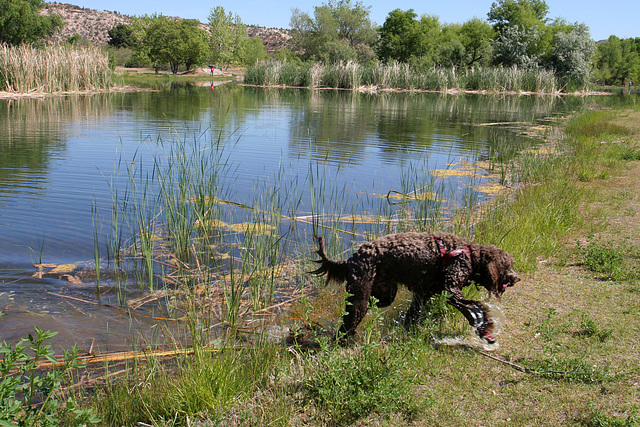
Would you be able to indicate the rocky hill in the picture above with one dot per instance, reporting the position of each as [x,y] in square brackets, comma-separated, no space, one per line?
[94,25]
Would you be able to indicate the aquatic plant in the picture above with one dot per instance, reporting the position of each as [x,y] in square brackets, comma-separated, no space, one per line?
[26,68]
[400,76]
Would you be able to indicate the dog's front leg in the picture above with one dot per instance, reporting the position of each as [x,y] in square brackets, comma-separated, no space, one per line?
[456,274]
[475,313]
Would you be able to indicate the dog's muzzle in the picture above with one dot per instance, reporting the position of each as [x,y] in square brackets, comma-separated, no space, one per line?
[511,279]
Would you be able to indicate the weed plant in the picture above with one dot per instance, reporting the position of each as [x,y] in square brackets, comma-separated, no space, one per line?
[30,396]
[602,257]
[372,379]
[590,328]
[354,76]
[26,68]
[206,384]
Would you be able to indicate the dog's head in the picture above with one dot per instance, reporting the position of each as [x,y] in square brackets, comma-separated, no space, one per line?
[494,271]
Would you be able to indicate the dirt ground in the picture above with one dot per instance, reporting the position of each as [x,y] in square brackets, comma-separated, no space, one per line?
[557,298]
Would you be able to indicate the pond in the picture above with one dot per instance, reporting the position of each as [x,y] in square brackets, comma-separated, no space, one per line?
[70,165]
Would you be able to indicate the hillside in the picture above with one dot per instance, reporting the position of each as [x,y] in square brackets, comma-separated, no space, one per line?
[94,26]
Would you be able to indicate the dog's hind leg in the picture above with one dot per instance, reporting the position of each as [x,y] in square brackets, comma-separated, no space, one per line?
[357,305]
[415,309]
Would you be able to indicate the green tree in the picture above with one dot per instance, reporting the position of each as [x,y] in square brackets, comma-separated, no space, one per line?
[401,37]
[513,47]
[520,13]
[476,36]
[333,24]
[196,44]
[630,60]
[227,35]
[571,56]
[140,26]
[21,22]
[121,36]
[287,55]
[175,42]
[78,40]
[449,50]
[523,22]
[335,51]
[253,51]
[616,61]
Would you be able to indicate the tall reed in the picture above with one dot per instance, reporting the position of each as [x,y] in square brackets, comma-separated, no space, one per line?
[177,226]
[26,68]
[354,76]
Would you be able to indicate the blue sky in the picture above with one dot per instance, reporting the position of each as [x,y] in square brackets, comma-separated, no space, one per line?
[604,17]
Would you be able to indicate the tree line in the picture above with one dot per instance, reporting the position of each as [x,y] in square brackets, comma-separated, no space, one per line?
[515,33]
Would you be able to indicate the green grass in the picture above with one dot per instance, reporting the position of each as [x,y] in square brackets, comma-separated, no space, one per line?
[206,384]
[595,124]
[564,330]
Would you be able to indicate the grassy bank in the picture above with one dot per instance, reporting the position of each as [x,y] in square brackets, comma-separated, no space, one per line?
[351,75]
[567,355]
[53,69]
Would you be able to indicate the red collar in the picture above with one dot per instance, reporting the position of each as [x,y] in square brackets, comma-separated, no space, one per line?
[445,255]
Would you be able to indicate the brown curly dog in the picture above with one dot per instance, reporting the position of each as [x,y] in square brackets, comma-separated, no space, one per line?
[427,263]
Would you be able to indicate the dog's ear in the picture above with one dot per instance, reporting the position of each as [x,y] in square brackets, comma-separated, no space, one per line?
[494,275]
[489,277]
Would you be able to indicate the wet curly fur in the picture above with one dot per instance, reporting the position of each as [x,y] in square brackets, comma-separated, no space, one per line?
[415,260]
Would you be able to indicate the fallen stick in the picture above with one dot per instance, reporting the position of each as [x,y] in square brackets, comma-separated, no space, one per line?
[529,370]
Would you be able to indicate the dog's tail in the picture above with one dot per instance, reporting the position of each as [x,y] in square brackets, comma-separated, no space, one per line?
[336,271]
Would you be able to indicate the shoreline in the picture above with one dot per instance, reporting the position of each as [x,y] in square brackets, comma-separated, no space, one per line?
[6,95]
[375,90]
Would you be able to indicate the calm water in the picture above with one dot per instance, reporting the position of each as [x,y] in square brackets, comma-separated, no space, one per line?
[62,155]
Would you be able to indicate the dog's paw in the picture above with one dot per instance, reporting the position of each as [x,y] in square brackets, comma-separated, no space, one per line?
[488,338]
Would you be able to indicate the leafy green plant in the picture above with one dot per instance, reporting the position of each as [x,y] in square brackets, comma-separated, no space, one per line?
[547,329]
[629,152]
[602,258]
[371,379]
[30,396]
[597,418]
[589,328]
